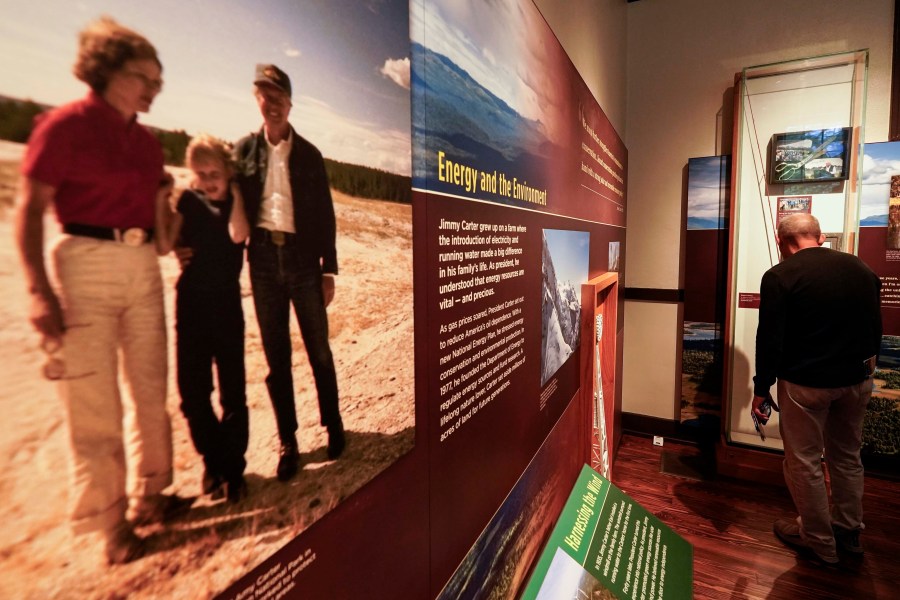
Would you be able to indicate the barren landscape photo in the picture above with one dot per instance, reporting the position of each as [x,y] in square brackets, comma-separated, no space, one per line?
[201,553]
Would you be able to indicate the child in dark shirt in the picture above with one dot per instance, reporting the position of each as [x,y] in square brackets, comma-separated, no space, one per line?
[209,219]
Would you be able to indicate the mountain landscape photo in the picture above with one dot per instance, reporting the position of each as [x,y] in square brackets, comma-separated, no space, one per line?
[560,316]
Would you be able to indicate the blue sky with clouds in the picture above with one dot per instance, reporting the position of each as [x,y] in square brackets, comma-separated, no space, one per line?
[705,194]
[880,162]
[571,253]
[501,44]
[348,61]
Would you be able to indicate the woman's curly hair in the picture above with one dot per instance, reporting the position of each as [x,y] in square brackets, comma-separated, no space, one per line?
[104,47]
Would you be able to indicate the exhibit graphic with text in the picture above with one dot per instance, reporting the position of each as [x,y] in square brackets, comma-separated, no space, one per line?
[607,545]
[879,240]
[705,243]
[522,182]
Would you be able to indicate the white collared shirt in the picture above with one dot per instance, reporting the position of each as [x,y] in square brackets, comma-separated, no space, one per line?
[276,212]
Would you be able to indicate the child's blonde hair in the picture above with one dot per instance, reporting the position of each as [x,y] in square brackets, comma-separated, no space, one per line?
[204,146]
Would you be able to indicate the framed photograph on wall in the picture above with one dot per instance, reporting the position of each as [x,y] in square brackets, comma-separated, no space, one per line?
[817,155]
[833,240]
[789,205]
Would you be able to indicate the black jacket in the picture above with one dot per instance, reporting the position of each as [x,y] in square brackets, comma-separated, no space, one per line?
[314,220]
[819,319]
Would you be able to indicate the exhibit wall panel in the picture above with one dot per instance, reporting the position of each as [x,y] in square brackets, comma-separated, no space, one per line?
[705,257]
[879,247]
[681,61]
[521,178]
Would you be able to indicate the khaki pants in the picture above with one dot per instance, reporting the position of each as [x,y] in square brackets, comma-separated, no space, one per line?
[829,419]
[113,305]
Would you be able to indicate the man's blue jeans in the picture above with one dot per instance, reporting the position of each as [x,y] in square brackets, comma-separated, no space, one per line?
[281,275]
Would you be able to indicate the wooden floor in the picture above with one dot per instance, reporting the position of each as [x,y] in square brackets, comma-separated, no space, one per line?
[729,524]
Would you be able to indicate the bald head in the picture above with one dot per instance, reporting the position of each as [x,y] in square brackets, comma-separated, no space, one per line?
[798,226]
[798,231]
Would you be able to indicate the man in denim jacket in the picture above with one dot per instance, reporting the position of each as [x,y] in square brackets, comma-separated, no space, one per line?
[292,258]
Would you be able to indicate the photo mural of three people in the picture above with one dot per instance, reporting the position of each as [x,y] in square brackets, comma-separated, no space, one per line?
[103,174]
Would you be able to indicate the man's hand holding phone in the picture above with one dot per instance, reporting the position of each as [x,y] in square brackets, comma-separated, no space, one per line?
[760,411]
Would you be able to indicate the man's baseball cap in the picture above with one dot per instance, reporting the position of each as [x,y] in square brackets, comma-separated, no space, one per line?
[272,75]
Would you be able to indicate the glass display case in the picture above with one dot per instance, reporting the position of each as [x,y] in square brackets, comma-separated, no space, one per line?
[798,131]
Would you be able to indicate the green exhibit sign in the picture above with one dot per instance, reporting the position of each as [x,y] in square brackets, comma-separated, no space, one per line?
[606,545]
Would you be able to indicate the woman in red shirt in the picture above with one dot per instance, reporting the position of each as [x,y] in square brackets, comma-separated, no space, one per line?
[101,171]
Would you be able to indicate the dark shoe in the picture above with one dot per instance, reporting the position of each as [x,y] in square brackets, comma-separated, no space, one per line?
[336,440]
[213,484]
[288,462]
[159,508]
[236,490]
[219,492]
[788,531]
[847,540]
[123,546]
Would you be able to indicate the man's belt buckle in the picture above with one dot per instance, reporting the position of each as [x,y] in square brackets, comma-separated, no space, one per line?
[133,236]
[278,238]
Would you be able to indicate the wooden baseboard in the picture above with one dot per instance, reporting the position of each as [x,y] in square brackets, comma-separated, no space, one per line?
[750,464]
[644,426]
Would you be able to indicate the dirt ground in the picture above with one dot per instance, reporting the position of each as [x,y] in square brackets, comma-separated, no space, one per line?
[200,554]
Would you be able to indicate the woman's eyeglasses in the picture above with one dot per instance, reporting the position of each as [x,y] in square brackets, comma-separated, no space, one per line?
[150,83]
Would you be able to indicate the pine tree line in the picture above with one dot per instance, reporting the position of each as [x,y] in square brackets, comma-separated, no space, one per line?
[17,119]
[366,182]
[174,145]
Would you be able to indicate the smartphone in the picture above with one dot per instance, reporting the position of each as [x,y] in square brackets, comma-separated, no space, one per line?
[766,409]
